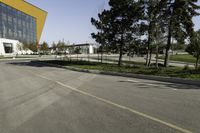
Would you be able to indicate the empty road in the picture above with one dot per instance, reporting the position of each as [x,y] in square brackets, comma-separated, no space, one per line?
[43,99]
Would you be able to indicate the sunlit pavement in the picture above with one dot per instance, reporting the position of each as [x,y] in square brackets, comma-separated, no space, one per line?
[43,99]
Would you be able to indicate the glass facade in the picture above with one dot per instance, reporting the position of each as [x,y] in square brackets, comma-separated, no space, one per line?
[17,25]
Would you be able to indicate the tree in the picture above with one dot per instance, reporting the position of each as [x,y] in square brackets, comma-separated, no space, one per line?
[44,47]
[178,14]
[126,15]
[54,47]
[25,47]
[152,10]
[19,47]
[116,25]
[159,40]
[194,47]
[77,51]
[178,46]
[33,47]
[61,47]
[103,27]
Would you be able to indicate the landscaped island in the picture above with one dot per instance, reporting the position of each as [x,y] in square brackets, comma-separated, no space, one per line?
[179,72]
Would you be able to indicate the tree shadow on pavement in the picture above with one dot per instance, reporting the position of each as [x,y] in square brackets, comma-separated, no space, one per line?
[163,85]
[145,84]
[30,64]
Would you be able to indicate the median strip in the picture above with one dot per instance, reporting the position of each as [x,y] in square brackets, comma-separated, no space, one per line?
[124,74]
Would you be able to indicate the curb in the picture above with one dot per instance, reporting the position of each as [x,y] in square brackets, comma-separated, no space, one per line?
[18,59]
[140,76]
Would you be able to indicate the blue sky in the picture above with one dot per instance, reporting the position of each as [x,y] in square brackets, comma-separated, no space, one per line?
[70,19]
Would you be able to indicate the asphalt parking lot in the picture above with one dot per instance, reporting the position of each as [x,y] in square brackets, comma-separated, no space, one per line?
[43,99]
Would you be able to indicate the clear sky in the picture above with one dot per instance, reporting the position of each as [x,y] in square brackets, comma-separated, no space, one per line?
[70,19]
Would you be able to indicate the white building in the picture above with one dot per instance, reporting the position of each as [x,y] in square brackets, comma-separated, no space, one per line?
[85,48]
[9,47]
[12,48]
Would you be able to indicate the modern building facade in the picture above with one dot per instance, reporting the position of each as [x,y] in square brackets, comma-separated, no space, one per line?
[20,22]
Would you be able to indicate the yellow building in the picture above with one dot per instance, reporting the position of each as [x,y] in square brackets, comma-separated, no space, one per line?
[20,21]
[16,12]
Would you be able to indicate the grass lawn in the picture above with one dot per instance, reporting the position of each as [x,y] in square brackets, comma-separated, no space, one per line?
[168,72]
[183,58]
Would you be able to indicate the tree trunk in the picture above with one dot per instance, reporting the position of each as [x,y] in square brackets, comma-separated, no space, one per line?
[120,55]
[147,58]
[70,59]
[150,56]
[121,50]
[98,56]
[129,53]
[149,43]
[166,63]
[101,56]
[197,62]
[157,50]
[88,57]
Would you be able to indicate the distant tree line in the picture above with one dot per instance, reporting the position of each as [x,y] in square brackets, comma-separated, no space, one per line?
[44,48]
[132,26]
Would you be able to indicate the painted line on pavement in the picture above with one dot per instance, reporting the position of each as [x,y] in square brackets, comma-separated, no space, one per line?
[154,85]
[134,81]
[138,82]
[119,106]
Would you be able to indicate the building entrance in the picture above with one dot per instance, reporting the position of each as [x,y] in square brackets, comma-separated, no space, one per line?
[8,47]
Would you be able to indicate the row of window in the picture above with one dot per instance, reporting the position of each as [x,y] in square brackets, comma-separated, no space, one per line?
[17,25]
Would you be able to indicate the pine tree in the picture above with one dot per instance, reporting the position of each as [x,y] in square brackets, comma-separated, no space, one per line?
[152,10]
[103,27]
[125,19]
[44,47]
[194,47]
[178,15]
[115,25]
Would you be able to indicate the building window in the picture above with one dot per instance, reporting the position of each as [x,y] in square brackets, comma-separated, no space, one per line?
[17,25]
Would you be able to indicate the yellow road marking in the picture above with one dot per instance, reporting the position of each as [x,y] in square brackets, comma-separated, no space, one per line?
[119,106]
